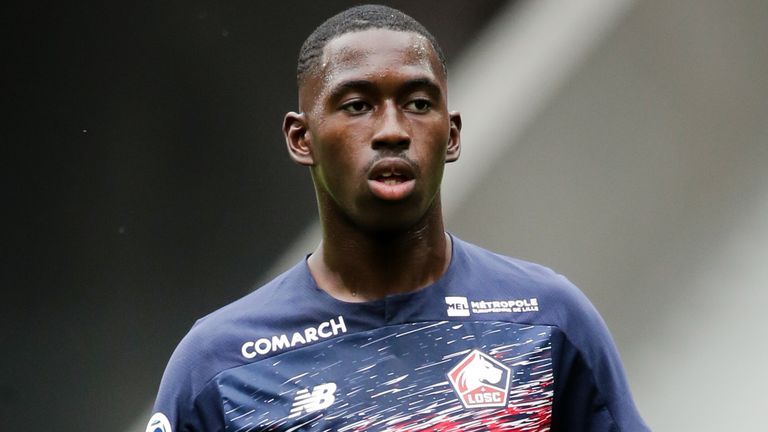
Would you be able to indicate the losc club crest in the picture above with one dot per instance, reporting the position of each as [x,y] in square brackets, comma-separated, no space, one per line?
[480,381]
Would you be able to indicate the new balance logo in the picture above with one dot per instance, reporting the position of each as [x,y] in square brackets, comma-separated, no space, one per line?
[321,397]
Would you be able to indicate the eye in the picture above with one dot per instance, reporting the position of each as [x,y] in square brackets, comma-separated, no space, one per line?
[418,105]
[356,107]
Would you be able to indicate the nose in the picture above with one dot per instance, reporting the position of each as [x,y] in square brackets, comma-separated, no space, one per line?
[391,129]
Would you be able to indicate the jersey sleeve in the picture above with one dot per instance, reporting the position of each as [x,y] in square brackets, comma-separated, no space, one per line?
[185,389]
[593,393]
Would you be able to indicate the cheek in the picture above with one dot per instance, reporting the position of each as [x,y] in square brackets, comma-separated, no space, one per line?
[435,136]
[346,142]
[341,156]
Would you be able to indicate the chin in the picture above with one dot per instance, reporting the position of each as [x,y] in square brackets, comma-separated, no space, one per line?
[394,222]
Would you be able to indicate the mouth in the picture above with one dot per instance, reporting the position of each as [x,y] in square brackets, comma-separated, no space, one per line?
[391,179]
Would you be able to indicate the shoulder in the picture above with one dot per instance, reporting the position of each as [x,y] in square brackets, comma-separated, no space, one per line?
[203,348]
[213,343]
[496,272]
[559,303]
[589,365]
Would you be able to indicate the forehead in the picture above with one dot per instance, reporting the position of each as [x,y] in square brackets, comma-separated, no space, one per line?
[350,49]
[375,51]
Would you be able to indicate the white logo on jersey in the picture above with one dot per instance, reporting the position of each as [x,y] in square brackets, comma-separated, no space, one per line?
[159,423]
[457,306]
[263,346]
[509,305]
[321,397]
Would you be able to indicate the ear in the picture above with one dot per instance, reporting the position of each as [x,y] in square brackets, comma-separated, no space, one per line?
[297,138]
[454,139]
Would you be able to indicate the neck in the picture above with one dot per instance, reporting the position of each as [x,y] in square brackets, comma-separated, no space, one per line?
[356,265]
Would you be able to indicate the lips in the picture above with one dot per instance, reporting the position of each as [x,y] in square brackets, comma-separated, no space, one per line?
[391,179]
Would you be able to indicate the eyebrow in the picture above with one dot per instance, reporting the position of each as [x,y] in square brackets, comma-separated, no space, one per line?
[427,84]
[351,85]
[430,86]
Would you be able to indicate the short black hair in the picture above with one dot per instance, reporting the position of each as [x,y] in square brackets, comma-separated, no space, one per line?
[357,19]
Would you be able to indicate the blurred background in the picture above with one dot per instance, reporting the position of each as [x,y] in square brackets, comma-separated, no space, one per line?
[623,143]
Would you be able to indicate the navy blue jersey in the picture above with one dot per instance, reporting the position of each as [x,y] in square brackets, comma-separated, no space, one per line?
[496,344]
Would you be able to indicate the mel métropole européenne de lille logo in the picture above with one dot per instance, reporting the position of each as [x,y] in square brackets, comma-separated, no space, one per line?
[457,306]
[481,381]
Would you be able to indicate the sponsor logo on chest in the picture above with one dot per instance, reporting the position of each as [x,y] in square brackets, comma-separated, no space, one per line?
[461,306]
[324,330]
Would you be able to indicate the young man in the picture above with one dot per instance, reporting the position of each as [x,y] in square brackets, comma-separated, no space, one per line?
[391,324]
